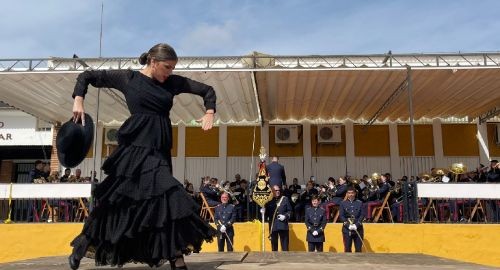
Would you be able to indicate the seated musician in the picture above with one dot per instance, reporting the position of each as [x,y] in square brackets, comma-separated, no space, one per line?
[376,195]
[294,187]
[210,190]
[293,192]
[336,194]
[304,200]
[241,192]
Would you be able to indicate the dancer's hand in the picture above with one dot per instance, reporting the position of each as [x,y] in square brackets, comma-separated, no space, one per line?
[207,121]
[78,111]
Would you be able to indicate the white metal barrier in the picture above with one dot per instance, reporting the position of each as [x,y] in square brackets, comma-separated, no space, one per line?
[458,190]
[34,191]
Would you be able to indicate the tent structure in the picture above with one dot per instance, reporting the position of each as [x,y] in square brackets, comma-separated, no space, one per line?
[280,89]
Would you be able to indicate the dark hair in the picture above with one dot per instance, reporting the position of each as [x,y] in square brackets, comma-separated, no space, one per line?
[351,188]
[160,52]
[314,197]
[38,162]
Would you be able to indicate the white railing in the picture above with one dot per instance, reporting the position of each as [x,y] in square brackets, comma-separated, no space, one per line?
[458,191]
[34,191]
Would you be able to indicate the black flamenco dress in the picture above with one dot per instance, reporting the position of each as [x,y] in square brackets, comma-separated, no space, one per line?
[143,214]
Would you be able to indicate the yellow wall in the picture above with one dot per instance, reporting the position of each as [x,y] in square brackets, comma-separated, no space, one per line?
[424,140]
[285,150]
[476,243]
[493,147]
[460,140]
[372,141]
[326,150]
[200,143]
[240,141]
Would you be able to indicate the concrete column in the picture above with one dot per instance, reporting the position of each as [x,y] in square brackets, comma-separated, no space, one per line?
[437,135]
[482,140]
[180,161]
[349,148]
[394,150]
[306,149]
[223,152]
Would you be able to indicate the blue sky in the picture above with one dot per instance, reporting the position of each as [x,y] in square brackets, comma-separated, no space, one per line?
[35,28]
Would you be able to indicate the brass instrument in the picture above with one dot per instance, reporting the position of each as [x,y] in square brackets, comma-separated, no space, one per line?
[354,181]
[458,169]
[424,177]
[372,186]
[439,175]
[375,176]
[40,180]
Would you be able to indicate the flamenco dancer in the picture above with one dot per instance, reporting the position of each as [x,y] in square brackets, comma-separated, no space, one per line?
[143,213]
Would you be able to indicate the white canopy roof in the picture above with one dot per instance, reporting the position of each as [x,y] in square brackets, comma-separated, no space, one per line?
[277,89]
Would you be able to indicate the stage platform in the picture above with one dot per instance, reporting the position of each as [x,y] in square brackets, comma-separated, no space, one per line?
[272,260]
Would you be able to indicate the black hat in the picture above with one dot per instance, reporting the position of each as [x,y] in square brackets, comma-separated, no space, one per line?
[73,141]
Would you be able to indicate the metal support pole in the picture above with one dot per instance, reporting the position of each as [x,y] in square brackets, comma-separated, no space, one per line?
[412,128]
[263,211]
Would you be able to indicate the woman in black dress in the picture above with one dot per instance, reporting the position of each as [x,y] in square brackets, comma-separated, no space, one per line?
[143,213]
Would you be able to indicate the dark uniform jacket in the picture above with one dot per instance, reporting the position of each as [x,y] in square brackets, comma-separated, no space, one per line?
[315,221]
[341,191]
[351,209]
[284,209]
[35,174]
[276,173]
[225,214]
[294,188]
[210,193]
[383,190]
[493,175]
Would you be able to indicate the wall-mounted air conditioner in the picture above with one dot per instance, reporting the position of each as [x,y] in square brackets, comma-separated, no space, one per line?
[286,134]
[329,133]
[111,135]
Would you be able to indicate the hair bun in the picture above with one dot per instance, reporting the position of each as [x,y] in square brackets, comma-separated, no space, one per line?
[143,59]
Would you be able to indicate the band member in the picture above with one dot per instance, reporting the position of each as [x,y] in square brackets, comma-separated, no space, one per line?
[315,222]
[276,173]
[336,194]
[210,190]
[242,197]
[340,191]
[493,172]
[351,215]
[225,217]
[305,200]
[376,195]
[295,187]
[278,213]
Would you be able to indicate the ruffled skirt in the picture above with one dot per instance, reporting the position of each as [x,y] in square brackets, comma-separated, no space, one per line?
[143,214]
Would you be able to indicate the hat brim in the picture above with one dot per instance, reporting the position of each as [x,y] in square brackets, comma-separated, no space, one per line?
[73,142]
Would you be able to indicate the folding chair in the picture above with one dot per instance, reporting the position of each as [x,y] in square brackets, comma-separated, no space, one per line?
[478,207]
[82,211]
[337,210]
[47,209]
[207,211]
[380,209]
[430,206]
